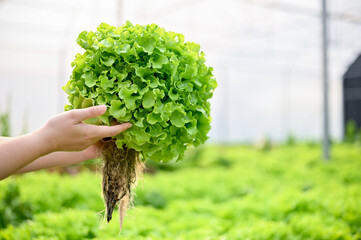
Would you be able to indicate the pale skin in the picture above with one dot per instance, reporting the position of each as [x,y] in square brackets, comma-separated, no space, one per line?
[63,140]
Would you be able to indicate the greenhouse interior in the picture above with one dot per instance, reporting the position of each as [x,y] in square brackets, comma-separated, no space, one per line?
[245,119]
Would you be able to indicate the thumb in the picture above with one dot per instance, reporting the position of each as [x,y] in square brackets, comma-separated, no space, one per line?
[86,113]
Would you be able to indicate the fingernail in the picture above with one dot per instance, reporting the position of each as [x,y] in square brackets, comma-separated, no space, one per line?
[129,125]
[102,108]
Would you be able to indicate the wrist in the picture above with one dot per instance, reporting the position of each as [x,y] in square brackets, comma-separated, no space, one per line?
[46,140]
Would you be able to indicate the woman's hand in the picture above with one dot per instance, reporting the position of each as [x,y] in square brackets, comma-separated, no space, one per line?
[67,132]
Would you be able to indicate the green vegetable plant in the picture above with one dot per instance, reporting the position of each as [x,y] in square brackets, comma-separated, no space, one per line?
[152,78]
[13,210]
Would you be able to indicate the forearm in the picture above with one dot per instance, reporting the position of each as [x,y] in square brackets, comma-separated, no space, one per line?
[17,152]
[55,159]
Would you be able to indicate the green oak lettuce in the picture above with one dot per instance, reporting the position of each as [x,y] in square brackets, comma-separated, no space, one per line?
[147,76]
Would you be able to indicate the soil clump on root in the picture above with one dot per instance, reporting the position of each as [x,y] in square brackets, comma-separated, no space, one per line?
[120,171]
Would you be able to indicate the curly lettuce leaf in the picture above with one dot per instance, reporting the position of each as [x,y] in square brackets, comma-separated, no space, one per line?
[147,76]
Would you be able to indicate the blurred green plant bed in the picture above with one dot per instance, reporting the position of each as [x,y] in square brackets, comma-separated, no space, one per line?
[217,192]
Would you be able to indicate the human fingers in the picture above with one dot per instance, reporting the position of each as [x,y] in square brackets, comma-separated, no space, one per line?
[80,115]
[108,131]
[98,148]
[93,151]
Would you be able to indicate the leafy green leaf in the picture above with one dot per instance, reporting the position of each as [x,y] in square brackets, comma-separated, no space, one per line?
[173,94]
[153,118]
[88,102]
[140,136]
[105,82]
[128,97]
[147,43]
[90,79]
[78,100]
[107,61]
[117,109]
[189,72]
[158,60]
[148,99]
[178,119]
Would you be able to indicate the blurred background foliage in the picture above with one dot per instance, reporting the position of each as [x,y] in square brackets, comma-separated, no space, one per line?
[217,192]
[5,124]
